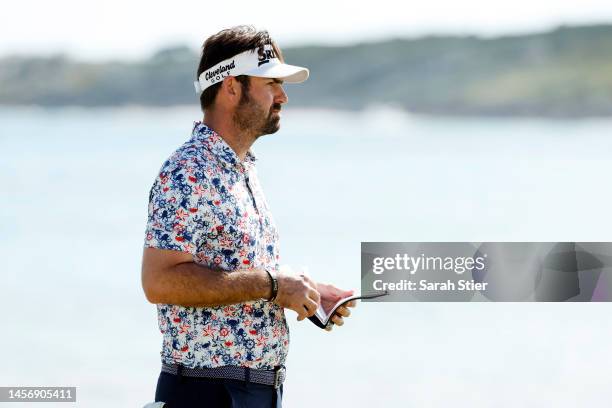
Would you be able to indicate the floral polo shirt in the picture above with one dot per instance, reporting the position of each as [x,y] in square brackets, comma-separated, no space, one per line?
[207,202]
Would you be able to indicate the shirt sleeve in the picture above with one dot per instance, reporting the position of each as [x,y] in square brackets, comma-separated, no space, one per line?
[175,217]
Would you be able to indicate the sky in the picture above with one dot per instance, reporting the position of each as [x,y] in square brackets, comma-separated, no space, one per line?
[133,29]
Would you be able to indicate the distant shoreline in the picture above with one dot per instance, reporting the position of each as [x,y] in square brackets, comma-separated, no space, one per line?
[195,114]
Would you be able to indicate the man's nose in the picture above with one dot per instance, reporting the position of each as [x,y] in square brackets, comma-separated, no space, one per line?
[282,97]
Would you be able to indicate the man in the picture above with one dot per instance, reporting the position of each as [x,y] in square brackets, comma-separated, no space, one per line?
[211,257]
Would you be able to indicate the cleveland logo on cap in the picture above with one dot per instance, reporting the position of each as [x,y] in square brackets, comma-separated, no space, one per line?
[217,74]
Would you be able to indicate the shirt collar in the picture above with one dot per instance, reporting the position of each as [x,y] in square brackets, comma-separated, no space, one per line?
[213,142]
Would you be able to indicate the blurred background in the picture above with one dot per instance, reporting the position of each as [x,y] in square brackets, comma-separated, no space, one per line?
[474,121]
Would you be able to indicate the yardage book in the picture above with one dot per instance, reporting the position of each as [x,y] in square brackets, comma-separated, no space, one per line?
[321,319]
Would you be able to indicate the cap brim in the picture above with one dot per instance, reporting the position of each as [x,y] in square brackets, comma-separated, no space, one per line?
[286,72]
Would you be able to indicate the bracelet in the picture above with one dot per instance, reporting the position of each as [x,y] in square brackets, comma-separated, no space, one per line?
[274,286]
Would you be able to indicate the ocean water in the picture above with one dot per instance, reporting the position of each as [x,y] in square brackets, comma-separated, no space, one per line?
[74,189]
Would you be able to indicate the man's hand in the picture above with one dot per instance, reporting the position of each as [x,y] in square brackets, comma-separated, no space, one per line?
[298,293]
[330,295]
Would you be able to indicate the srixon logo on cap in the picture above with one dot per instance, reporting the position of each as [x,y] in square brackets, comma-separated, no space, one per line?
[265,56]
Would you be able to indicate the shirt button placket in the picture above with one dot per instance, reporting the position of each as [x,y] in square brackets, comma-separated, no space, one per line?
[259,215]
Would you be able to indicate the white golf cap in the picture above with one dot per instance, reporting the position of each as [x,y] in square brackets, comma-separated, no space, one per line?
[258,62]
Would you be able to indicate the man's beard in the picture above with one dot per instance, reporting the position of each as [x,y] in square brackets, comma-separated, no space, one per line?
[253,118]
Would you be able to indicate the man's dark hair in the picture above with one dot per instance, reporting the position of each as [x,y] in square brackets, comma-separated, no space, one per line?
[225,44]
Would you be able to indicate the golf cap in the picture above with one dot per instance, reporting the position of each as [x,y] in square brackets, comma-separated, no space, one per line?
[258,62]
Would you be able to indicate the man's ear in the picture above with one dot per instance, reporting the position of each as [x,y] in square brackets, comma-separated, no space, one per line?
[231,88]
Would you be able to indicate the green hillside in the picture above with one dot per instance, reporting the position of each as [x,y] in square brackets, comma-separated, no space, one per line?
[566,72]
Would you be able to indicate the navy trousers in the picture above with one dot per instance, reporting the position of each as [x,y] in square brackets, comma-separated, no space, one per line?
[190,392]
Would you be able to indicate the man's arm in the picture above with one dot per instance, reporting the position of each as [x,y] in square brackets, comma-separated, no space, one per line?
[172,277]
